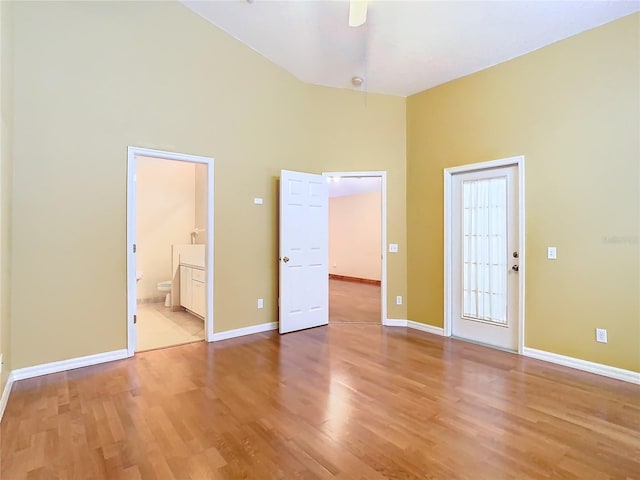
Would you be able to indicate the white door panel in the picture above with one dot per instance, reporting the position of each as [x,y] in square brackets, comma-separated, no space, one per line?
[304,242]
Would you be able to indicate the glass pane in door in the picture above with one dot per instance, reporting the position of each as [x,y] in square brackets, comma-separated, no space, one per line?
[484,227]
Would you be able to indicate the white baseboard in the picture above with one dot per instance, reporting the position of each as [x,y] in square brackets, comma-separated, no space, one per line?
[70,364]
[426,328]
[585,365]
[399,322]
[5,395]
[240,332]
[395,322]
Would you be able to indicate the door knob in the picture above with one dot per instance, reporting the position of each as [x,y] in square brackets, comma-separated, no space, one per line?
[285,259]
[515,268]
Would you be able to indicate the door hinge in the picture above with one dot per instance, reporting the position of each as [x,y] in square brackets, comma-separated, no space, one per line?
[135,319]
[134,248]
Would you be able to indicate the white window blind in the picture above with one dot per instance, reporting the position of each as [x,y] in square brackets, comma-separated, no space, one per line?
[485,250]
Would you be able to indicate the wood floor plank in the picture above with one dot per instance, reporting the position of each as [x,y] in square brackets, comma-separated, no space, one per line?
[339,402]
[354,302]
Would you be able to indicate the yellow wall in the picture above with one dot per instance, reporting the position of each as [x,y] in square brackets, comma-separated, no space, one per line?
[573,110]
[359,132]
[92,78]
[354,235]
[165,216]
[6,130]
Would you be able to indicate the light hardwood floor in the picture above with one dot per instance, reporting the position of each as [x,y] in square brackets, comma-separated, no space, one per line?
[336,402]
[354,302]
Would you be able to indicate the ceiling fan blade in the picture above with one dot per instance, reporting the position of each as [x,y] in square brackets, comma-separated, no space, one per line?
[357,12]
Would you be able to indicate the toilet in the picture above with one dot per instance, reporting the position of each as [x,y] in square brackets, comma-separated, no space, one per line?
[165,287]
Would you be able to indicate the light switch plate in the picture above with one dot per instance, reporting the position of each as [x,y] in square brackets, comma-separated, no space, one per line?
[393,248]
[258,201]
[601,335]
[551,253]
[399,300]
[260,303]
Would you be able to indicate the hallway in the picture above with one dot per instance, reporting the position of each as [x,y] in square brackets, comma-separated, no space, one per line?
[354,302]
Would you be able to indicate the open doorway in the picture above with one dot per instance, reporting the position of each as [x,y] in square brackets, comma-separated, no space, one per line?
[356,253]
[170,249]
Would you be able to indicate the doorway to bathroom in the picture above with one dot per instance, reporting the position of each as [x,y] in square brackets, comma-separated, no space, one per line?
[169,249]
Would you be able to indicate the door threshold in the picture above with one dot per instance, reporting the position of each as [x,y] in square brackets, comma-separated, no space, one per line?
[482,344]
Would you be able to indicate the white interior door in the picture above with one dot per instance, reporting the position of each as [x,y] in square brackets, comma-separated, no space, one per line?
[132,304]
[485,256]
[304,247]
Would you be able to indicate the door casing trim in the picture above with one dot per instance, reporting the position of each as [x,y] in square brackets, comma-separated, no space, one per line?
[518,162]
[132,153]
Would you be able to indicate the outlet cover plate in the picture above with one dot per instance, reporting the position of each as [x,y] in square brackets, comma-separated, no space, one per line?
[601,335]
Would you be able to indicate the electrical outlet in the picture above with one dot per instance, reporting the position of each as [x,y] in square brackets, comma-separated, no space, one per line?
[399,300]
[601,335]
[552,253]
[260,303]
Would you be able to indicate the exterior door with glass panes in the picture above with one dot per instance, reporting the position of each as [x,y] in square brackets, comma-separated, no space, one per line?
[485,256]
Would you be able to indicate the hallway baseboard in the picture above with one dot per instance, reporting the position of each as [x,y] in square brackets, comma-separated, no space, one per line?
[346,278]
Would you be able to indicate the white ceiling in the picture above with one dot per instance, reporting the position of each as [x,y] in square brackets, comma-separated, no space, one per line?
[353,186]
[405,46]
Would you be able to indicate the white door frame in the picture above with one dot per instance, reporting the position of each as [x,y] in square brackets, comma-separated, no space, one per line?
[518,162]
[383,230]
[132,203]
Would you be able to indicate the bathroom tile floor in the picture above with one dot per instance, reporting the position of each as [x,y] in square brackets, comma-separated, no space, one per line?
[159,327]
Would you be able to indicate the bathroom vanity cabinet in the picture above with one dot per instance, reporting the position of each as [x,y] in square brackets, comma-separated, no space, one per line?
[192,289]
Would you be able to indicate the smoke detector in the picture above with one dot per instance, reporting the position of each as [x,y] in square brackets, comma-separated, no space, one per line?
[357,81]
